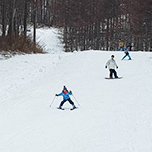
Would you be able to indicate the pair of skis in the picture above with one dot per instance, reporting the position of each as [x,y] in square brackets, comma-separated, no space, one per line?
[64,108]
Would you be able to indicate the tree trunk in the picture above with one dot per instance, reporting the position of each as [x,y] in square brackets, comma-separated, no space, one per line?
[35,23]
[25,18]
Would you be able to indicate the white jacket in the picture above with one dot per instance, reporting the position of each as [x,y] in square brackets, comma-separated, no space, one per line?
[111,64]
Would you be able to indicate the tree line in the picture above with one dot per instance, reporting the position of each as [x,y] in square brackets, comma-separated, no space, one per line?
[102,24]
[86,24]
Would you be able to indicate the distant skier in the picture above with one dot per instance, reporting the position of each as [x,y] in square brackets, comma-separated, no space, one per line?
[65,93]
[111,64]
[126,54]
[121,46]
[129,48]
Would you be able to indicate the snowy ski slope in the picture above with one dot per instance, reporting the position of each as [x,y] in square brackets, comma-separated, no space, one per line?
[113,116]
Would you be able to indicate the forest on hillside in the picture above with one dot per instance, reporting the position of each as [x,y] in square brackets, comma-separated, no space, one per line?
[102,24]
[86,24]
[16,16]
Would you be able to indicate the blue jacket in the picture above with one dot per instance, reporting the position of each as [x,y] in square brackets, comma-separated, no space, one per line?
[65,96]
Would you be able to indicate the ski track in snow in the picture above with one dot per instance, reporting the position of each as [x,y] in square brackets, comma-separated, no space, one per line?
[114,116]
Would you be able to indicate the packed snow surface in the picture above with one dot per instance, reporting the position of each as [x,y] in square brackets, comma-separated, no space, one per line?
[113,116]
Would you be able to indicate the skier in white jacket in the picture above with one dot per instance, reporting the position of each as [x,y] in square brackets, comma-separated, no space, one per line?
[111,64]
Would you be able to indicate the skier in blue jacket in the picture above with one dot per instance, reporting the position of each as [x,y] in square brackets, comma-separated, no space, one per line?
[65,93]
[129,48]
[126,54]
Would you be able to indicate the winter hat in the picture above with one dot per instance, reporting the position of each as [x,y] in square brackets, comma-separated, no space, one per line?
[64,88]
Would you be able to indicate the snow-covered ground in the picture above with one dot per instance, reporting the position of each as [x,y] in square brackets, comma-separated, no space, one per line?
[113,116]
[49,38]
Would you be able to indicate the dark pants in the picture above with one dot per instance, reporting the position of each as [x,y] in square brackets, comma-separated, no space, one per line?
[112,71]
[126,56]
[70,101]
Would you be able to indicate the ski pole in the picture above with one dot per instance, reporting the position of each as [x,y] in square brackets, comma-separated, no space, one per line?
[76,100]
[52,101]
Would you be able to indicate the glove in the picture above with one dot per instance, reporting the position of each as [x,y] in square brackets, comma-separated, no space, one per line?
[105,66]
[56,95]
[70,91]
[117,67]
